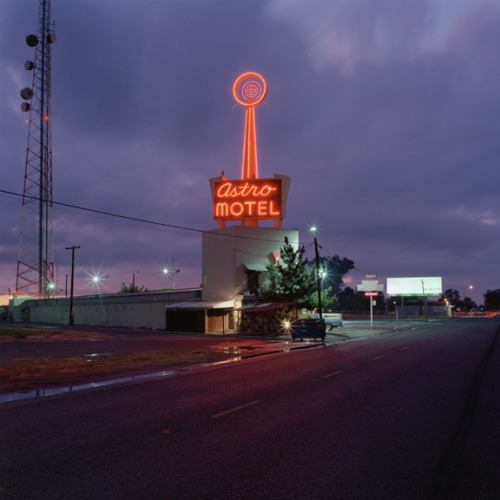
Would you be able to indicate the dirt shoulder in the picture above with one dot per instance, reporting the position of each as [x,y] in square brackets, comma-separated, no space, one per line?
[19,374]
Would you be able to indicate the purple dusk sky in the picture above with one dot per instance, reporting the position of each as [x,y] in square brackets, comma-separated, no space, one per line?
[384,113]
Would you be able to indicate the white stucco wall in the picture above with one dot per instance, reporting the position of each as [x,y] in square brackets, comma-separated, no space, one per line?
[116,310]
[227,251]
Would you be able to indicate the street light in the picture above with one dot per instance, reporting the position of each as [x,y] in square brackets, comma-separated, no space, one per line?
[470,287]
[318,286]
[51,287]
[170,272]
[323,276]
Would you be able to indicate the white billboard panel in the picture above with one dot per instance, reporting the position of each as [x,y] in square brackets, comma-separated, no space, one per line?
[415,286]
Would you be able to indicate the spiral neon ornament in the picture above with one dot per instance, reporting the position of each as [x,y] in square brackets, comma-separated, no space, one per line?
[250,89]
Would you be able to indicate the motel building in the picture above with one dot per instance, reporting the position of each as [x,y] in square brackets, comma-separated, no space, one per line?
[235,255]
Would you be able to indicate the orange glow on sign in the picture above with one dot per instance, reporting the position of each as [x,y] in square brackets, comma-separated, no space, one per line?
[247,199]
[249,90]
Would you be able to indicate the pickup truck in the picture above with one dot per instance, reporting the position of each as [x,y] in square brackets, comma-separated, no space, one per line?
[331,320]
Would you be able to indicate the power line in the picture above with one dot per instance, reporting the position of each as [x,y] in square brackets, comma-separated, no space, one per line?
[135,219]
[110,214]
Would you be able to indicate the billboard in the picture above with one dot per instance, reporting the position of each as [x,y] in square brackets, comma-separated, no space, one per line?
[247,199]
[415,286]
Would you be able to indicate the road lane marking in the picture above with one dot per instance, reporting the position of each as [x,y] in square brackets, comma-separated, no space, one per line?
[332,374]
[404,348]
[375,359]
[236,409]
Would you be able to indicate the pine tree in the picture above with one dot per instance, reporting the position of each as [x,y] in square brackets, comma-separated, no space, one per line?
[290,280]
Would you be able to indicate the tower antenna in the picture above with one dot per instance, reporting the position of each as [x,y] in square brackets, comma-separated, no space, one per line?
[35,265]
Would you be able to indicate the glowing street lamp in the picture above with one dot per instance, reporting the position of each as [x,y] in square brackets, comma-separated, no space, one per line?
[323,276]
[166,272]
[51,287]
[96,279]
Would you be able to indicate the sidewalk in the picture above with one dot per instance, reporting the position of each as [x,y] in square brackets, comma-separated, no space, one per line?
[352,329]
[358,328]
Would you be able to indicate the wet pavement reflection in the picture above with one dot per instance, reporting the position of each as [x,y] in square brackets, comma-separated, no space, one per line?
[240,352]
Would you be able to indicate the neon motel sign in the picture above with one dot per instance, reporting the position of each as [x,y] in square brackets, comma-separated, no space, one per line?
[247,199]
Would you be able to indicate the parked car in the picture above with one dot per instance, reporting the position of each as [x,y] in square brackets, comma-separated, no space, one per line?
[308,329]
[331,320]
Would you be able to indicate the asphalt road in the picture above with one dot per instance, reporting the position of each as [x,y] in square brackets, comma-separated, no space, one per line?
[123,341]
[411,414]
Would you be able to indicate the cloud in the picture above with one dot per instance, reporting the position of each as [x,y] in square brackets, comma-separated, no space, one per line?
[385,115]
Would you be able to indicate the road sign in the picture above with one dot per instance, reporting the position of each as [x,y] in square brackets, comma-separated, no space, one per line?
[370,286]
[371,294]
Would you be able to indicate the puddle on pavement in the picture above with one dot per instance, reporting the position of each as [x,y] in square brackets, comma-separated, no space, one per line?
[96,355]
[236,349]
[16,396]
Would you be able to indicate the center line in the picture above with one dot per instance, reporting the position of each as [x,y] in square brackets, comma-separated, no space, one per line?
[378,357]
[332,374]
[235,409]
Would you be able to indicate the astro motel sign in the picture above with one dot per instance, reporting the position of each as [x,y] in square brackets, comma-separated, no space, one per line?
[249,199]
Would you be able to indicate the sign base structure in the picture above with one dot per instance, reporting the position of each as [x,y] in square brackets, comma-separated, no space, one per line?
[250,200]
[235,258]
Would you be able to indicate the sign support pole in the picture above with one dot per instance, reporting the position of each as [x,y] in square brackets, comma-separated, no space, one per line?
[320,308]
[371,312]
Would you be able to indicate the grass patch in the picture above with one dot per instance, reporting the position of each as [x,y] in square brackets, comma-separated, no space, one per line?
[35,373]
[18,333]
[9,334]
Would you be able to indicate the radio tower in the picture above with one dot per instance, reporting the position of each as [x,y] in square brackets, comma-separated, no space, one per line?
[35,265]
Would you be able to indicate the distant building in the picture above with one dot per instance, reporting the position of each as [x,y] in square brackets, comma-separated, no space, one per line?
[417,308]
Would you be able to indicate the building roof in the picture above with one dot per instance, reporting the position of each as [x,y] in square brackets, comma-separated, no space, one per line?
[224,304]
[266,306]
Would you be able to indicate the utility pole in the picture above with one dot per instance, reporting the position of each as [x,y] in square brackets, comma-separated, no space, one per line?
[71,314]
[320,309]
[425,301]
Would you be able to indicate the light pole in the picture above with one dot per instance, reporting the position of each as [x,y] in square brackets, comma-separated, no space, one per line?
[133,282]
[71,314]
[318,286]
[167,272]
[470,287]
